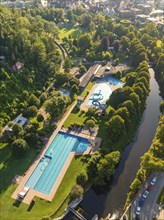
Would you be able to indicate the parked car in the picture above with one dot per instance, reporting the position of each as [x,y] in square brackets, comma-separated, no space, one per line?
[22,194]
[153,181]
[138,210]
[146,193]
[137,217]
[141,202]
[149,187]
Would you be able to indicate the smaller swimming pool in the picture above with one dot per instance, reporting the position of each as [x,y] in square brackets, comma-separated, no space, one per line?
[100,94]
[65,92]
[114,81]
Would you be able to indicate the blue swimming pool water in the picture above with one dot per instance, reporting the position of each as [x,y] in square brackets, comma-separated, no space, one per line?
[105,91]
[114,81]
[65,92]
[48,169]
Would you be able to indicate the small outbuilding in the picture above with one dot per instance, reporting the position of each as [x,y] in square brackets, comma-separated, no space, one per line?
[17,67]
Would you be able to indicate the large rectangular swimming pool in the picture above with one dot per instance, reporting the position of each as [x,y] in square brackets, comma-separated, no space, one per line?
[50,165]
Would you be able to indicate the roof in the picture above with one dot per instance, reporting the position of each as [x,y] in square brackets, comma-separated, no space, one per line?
[89,74]
[17,66]
[21,120]
[101,71]
[2,57]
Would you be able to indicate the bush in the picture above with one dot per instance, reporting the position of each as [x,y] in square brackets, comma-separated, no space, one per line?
[77,191]
[40,118]
[90,124]
[19,147]
[91,111]
[43,97]
[31,111]
[82,179]
[10,124]
[31,138]
[17,128]
[33,100]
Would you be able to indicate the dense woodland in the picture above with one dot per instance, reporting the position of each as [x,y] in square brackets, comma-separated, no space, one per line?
[29,36]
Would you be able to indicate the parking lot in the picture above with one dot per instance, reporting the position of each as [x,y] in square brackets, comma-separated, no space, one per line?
[150,208]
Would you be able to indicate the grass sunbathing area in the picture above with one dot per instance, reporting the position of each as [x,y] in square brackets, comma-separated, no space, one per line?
[88,88]
[68,29]
[9,167]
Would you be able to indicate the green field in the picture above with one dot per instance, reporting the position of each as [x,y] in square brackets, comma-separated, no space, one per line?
[9,167]
[87,89]
[79,118]
[68,29]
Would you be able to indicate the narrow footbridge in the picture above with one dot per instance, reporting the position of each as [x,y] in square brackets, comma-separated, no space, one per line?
[78,215]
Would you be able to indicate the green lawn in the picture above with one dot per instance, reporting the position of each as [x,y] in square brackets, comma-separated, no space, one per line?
[74,117]
[10,209]
[68,29]
[87,89]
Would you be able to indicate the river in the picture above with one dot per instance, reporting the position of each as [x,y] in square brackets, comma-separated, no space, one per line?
[113,199]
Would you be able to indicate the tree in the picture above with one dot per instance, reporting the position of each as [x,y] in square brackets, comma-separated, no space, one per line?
[136,185]
[116,127]
[33,100]
[84,42]
[125,42]
[92,165]
[67,65]
[31,111]
[116,45]
[40,118]
[82,69]
[106,167]
[85,20]
[124,113]
[160,65]
[70,15]
[32,138]
[56,105]
[77,191]
[43,97]
[162,106]
[91,111]
[75,89]
[105,43]
[17,129]
[19,147]
[130,106]
[82,179]
[90,124]
[101,168]
[136,101]
[92,26]
[130,78]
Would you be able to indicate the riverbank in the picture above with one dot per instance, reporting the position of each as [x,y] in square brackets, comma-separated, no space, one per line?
[113,199]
